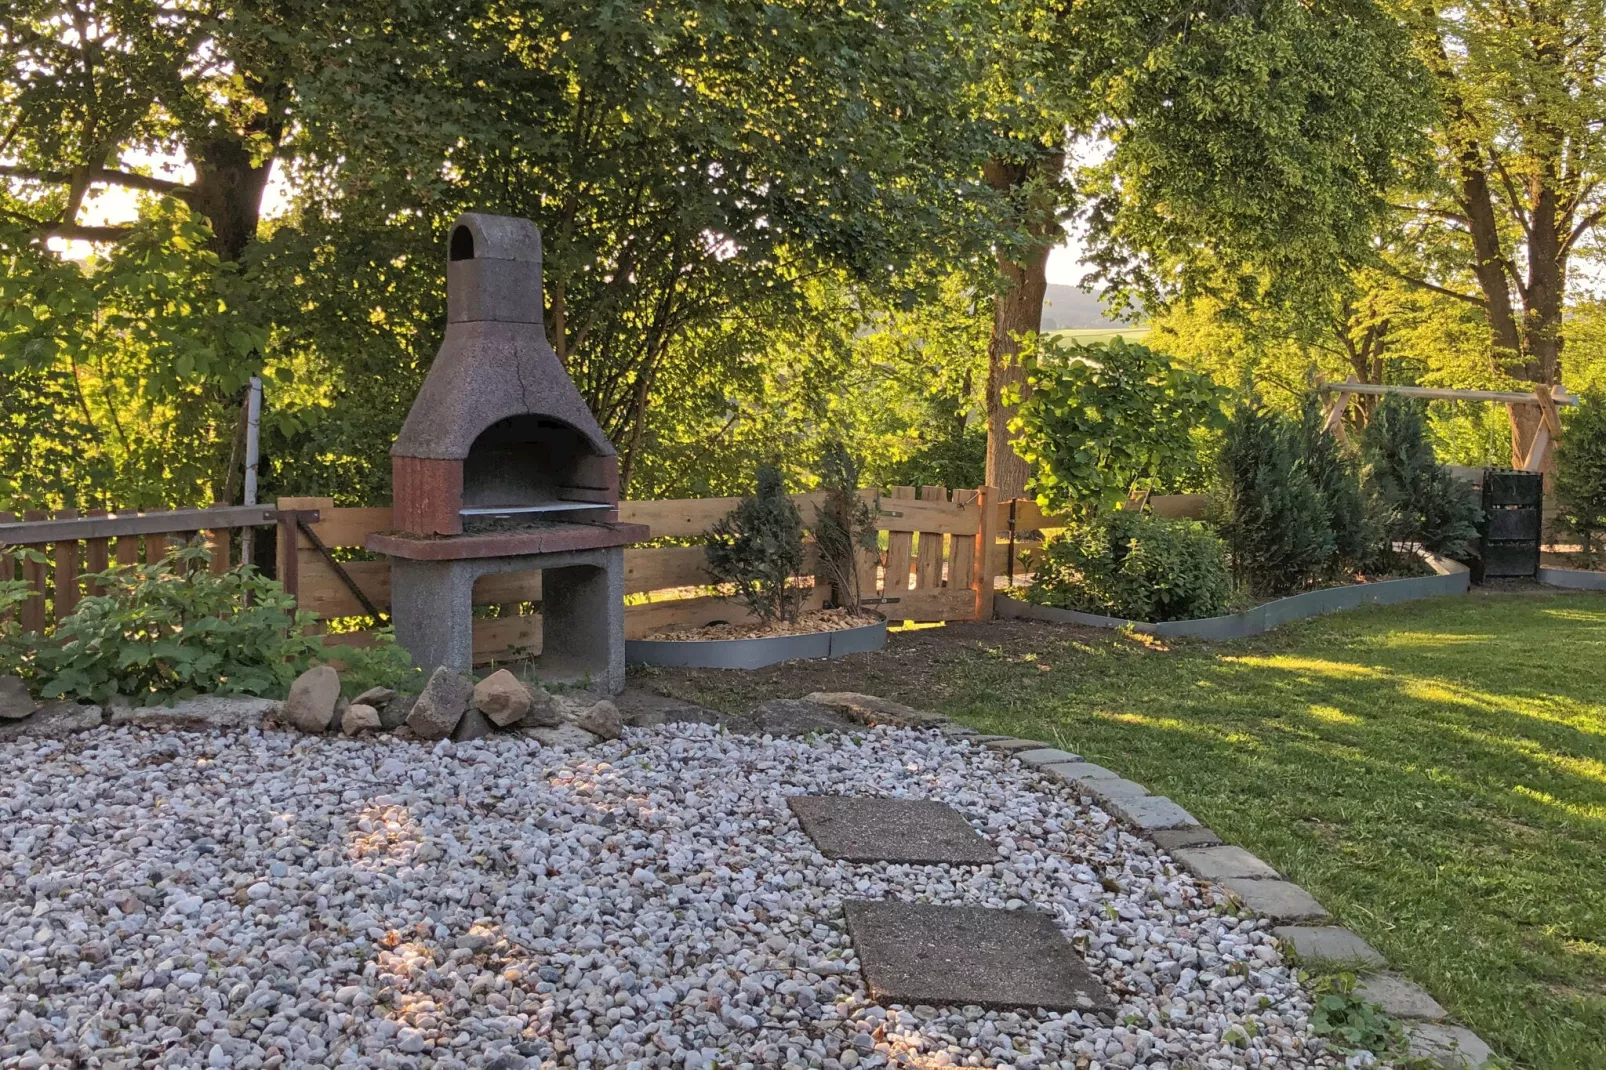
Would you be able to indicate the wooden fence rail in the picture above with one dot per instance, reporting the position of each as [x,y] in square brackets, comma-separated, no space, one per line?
[71,549]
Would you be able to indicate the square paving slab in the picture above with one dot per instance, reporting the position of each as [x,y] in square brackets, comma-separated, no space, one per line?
[914,953]
[912,831]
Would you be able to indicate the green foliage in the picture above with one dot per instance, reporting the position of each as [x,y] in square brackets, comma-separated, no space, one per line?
[1101,419]
[116,372]
[14,645]
[1335,471]
[1581,471]
[382,664]
[1348,1022]
[756,550]
[1418,503]
[174,629]
[1136,566]
[844,526]
[1275,520]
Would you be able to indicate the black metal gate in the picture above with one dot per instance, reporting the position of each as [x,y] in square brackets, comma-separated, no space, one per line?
[1512,517]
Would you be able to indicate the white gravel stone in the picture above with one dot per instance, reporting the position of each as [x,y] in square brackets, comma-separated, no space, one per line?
[266,898]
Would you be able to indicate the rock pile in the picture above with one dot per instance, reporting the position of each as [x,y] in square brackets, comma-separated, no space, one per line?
[453,706]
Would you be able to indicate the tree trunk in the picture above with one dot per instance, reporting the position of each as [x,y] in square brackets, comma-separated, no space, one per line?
[1018,310]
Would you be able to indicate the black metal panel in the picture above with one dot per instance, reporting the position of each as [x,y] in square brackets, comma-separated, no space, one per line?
[1503,487]
[1520,522]
[1510,530]
[1510,559]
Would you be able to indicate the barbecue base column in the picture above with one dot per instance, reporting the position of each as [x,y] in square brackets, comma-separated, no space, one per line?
[432,607]
[582,612]
[583,622]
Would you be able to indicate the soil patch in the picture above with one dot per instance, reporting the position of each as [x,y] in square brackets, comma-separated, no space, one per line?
[825,620]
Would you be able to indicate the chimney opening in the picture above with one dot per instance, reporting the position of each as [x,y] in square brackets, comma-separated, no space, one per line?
[462,244]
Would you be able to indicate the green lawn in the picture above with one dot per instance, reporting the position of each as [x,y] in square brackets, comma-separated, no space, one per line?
[1435,773]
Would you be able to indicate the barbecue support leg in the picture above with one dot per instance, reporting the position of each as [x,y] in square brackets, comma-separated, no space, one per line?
[432,605]
[583,623]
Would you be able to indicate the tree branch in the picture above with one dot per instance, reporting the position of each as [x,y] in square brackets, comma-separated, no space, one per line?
[1471,299]
[79,232]
[100,174]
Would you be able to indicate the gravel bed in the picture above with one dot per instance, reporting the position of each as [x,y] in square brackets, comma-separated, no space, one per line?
[267,899]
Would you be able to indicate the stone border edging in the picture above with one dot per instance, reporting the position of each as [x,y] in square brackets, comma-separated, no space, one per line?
[1451,577]
[1573,579]
[1297,916]
[757,652]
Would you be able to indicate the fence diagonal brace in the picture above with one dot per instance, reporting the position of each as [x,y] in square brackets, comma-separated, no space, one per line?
[340,571]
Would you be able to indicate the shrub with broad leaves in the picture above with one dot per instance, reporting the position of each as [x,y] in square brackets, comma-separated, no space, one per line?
[1136,566]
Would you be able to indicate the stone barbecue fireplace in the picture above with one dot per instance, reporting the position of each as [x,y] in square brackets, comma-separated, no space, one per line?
[500,467]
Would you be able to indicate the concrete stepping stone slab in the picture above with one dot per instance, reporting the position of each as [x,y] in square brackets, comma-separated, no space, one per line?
[1079,771]
[1398,997]
[1454,1047]
[1013,746]
[911,831]
[1278,900]
[1328,945]
[1219,863]
[1149,812]
[1169,840]
[914,953]
[1037,759]
[980,738]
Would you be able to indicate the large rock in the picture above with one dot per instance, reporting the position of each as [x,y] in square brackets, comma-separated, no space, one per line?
[473,725]
[204,712]
[798,717]
[502,697]
[377,697]
[441,704]
[544,711]
[874,710]
[394,713]
[601,719]
[55,720]
[564,735]
[359,717]
[15,702]
[310,705]
[644,709]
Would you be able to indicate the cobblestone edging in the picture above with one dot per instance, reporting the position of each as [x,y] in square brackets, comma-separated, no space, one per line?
[1307,932]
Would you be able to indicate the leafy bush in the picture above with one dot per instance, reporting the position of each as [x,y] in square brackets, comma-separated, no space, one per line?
[1581,472]
[174,629]
[1277,526]
[1099,420]
[756,550]
[1136,566]
[14,647]
[1416,500]
[844,525]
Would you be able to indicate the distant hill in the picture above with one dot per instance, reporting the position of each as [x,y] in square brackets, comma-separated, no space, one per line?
[1068,308]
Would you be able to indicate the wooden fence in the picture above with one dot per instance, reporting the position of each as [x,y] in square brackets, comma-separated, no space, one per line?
[944,554]
[931,537]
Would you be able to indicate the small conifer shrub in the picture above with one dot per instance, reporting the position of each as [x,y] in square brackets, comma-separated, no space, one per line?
[755,551]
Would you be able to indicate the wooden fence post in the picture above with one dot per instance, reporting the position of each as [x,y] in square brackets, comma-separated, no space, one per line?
[928,554]
[896,580]
[7,565]
[217,540]
[986,537]
[66,571]
[32,616]
[97,554]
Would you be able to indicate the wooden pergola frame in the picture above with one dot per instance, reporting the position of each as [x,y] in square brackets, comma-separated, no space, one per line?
[1548,398]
